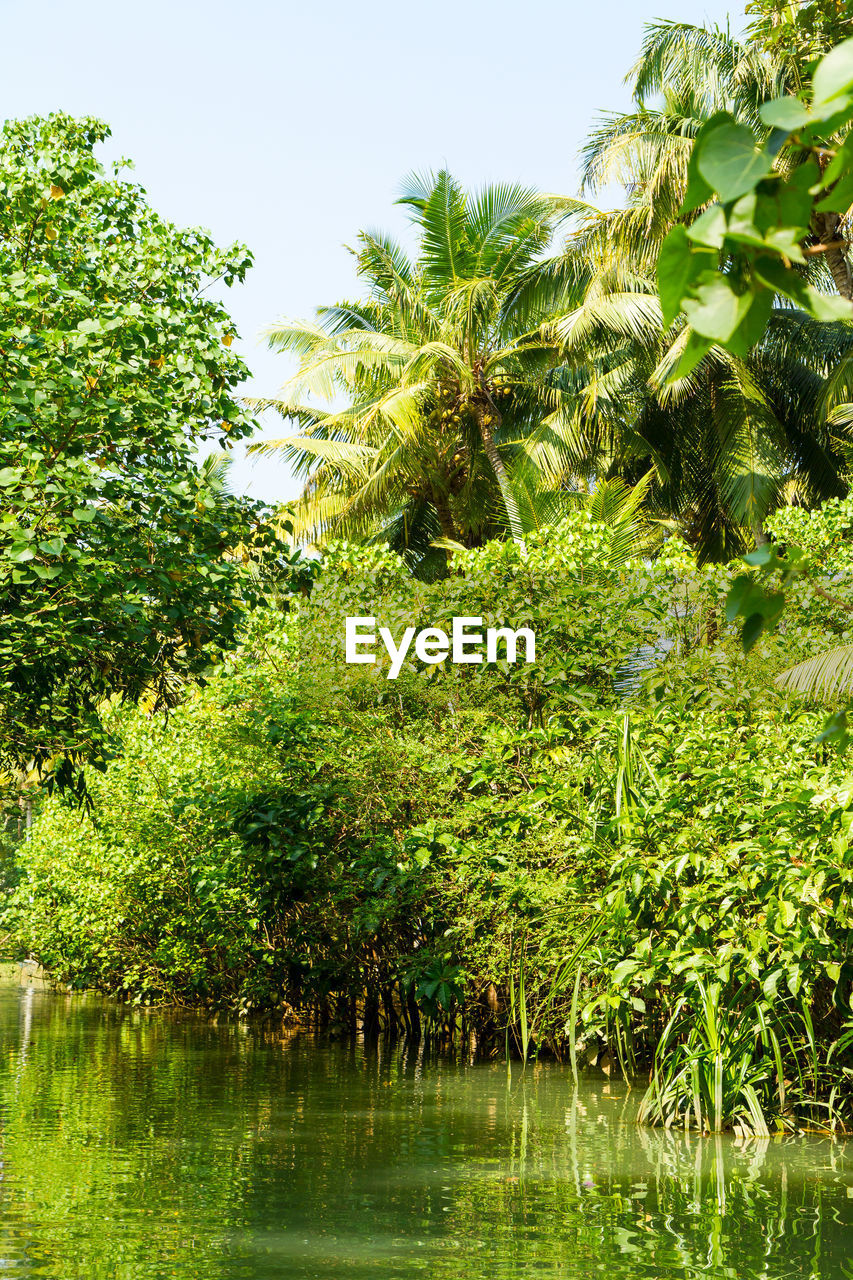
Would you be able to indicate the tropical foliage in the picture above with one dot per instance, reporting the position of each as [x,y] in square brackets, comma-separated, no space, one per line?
[635,851]
[729,432]
[590,372]
[115,367]
[439,371]
[634,846]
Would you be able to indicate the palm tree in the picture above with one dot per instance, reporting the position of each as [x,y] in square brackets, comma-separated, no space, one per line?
[414,401]
[733,438]
[688,73]
[726,444]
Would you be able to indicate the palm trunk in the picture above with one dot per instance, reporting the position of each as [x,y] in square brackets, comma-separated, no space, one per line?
[841,274]
[496,463]
[827,228]
[445,515]
[836,261]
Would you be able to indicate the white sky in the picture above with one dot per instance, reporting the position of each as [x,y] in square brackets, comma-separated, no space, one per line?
[289,126]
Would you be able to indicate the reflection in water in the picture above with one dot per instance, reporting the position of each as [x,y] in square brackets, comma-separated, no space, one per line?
[137,1146]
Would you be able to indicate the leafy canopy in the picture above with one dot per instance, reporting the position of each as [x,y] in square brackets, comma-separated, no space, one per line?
[114,368]
[762,191]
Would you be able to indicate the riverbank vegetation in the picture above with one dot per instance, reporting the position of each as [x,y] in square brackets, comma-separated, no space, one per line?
[635,843]
[633,853]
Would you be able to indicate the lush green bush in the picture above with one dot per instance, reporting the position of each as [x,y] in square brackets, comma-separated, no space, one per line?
[635,843]
[303,827]
[728,901]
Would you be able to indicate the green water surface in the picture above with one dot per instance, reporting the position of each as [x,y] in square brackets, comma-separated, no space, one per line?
[139,1146]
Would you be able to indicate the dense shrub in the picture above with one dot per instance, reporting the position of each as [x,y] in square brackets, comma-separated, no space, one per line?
[634,843]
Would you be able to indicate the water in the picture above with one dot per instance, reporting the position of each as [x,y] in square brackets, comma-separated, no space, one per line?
[137,1146]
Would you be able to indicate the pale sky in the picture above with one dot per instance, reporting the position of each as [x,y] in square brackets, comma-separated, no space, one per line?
[289,126]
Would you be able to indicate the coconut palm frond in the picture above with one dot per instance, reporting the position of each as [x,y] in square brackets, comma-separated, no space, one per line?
[825,677]
[306,416]
[215,471]
[448,544]
[632,316]
[352,459]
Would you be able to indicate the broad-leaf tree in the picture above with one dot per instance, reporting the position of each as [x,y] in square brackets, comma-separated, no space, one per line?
[761,191]
[761,195]
[114,368]
[684,76]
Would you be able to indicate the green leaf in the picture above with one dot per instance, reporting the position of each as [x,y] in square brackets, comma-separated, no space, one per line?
[761,608]
[741,221]
[823,306]
[835,731]
[844,982]
[775,275]
[839,165]
[52,546]
[699,192]
[764,557]
[709,228]
[833,78]
[673,272]
[738,594]
[730,161]
[679,266]
[19,555]
[787,913]
[827,307]
[839,199]
[695,350]
[752,629]
[784,113]
[772,606]
[770,983]
[716,311]
[752,327]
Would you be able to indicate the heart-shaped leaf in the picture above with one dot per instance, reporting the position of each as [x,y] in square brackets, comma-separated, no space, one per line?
[730,161]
